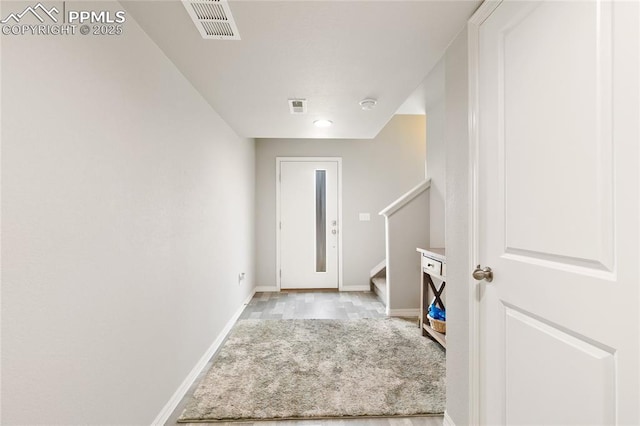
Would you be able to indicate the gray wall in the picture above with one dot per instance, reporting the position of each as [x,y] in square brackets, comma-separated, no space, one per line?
[435,112]
[375,173]
[408,230]
[457,230]
[127,213]
[446,107]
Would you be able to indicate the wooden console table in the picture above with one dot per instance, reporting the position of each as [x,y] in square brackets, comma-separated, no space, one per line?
[433,264]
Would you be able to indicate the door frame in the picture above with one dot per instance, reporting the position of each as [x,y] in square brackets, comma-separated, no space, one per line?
[280,160]
[473,37]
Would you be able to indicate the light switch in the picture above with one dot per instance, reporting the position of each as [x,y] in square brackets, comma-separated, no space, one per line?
[365,217]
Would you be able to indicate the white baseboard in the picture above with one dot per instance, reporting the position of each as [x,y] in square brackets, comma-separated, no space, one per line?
[447,420]
[270,289]
[403,312]
[170,406]
[356,288]
[266,289]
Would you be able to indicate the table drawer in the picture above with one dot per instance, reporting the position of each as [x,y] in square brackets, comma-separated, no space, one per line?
[431,265]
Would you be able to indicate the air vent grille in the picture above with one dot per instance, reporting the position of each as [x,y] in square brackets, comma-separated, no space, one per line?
[217,29]
[298,106]
[213,19]
[209,11]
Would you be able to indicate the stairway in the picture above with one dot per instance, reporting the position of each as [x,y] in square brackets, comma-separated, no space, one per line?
[379,280]
[406,222]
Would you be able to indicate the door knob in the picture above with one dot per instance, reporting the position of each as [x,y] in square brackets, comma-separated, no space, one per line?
[483,274]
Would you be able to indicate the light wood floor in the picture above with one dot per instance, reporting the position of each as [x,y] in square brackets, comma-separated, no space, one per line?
[314,305]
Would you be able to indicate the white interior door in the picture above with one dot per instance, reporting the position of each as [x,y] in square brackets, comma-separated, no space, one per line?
[308,224]
[558,193]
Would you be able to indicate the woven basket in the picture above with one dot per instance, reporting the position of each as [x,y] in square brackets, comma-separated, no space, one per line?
[437,325]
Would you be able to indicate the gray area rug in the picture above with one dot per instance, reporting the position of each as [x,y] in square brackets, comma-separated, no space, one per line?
[294,369]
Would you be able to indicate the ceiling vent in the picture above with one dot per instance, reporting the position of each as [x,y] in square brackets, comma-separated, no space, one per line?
[298,106]
[213,19]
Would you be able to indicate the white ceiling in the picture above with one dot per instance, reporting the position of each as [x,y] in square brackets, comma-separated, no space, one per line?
[333,53]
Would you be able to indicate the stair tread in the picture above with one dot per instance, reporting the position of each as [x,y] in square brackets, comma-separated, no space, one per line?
[380,288]
[380,267]
[380,281]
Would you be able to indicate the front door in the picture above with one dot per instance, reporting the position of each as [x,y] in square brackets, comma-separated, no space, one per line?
[558,193]
[308,223]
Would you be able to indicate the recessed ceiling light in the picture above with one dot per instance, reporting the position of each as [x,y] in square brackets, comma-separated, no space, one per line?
[368,104]
[323,123]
